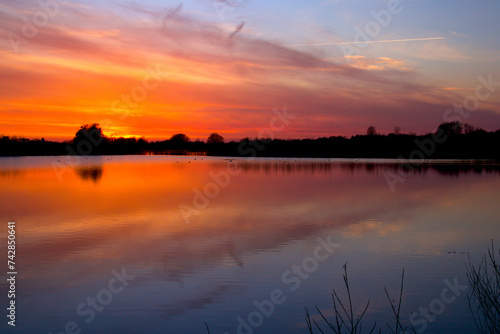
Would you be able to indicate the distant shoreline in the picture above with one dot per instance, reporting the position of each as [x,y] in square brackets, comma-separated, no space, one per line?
[380,161]
[450,141]
[360,159]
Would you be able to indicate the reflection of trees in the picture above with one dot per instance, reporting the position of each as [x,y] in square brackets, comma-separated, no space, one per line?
[89,173]
[11,172]
[286,166]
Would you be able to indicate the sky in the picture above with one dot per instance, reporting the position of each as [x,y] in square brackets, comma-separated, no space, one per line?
[244,68]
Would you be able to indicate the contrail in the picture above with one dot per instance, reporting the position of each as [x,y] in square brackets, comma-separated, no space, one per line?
[369,42]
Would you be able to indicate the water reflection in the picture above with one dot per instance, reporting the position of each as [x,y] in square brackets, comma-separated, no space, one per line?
[89,173]
[270,166]
[236,247]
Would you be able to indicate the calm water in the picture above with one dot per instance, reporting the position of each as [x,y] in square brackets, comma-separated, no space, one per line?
[157,244]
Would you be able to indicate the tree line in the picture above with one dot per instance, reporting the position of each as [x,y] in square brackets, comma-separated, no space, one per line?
[450,140]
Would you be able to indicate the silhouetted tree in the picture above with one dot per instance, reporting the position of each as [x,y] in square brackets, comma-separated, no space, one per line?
[397,130]
[180,138]
[371,131]
[469,128]
[92,133]
[215,138]
[450,128]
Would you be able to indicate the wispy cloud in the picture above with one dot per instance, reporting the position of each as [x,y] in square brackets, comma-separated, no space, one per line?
[378,64]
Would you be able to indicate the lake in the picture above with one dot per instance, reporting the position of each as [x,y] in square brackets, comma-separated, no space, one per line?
[163,244]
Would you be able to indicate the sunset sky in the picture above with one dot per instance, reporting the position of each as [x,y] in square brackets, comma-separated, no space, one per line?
[155,68]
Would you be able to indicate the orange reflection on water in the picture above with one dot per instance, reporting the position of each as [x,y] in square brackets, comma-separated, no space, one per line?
[128,209]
